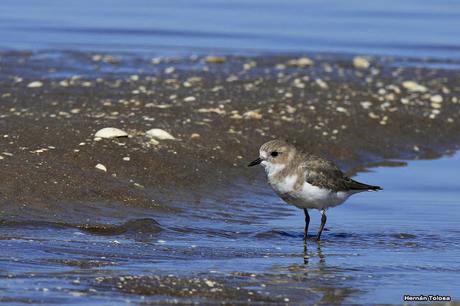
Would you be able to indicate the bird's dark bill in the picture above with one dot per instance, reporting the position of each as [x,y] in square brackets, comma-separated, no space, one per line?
[255,162]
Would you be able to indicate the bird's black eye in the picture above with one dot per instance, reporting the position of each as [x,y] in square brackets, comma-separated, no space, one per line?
[274,154]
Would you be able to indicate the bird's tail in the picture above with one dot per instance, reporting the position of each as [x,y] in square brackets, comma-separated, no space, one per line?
[361,186]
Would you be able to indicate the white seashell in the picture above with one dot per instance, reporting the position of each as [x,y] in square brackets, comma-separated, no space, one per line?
[366,104]
[189,99]
[35,84]
[252,114]
[159,134]
[300,62]
[436,99]
[361,62]
[110,132]
[101,167]
[414,86]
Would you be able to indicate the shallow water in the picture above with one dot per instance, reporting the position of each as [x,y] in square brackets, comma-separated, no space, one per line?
[378,247]
[414,28]
[242,244]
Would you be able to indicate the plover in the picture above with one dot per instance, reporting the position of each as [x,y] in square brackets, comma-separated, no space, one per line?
[305,180]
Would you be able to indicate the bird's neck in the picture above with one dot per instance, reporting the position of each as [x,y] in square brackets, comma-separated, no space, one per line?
[272,169]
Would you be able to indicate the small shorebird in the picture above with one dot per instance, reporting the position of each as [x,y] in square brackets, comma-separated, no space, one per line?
[306,181]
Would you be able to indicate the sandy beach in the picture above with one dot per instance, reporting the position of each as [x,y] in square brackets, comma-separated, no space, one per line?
[218,109]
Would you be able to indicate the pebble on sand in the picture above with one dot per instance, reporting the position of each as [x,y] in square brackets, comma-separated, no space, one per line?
[301,62]
[436,99]
[215,59]
[35,84]
[361,63]
[110,132]
[210,283]
[252,114]
[366,104]
[159,134]
[436,105]
[189,99]
[101,167]
[321,84]
[413,86]
[170,70]
[216,110]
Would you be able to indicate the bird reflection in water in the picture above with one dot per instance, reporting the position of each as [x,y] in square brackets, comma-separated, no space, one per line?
[319,253]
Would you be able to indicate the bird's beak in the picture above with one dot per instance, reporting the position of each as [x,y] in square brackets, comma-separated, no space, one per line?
[255,162]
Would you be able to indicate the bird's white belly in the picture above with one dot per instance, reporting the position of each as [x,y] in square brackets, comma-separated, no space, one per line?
[308,196]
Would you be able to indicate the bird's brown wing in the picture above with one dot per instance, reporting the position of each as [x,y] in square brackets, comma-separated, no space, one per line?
[325,174]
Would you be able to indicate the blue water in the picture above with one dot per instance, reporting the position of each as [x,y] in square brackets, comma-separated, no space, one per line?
[378,246]
[402,240]
[428,28]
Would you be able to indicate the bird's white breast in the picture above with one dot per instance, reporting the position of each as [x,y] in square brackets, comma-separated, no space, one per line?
[308,196]
[286,185]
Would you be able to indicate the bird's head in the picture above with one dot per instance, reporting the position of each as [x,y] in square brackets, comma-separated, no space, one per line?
[274,156]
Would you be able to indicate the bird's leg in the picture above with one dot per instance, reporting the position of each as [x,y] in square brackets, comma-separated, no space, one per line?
[307,222]
[323,222]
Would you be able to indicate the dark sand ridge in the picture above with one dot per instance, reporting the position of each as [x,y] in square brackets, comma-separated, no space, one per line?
[219,113]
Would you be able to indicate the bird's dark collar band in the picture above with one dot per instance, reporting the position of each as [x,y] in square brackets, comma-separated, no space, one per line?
[255,162]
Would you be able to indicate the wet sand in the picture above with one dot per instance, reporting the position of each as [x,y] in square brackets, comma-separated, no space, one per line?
[219,110]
